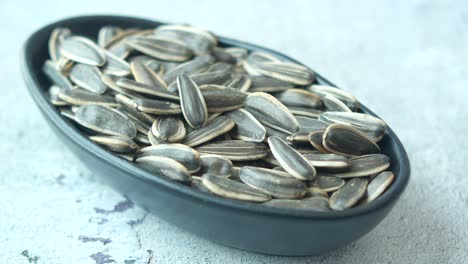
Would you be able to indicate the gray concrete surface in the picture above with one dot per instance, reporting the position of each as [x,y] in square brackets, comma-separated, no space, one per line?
[407,60]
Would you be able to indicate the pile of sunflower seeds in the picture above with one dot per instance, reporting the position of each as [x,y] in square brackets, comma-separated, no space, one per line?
[231,122]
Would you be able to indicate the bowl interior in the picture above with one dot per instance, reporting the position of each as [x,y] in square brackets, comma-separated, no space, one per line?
[35,53]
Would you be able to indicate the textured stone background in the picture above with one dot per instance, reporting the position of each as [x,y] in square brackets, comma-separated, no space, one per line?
[407,60]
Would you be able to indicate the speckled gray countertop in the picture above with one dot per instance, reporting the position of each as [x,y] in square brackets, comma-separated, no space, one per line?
[407,60]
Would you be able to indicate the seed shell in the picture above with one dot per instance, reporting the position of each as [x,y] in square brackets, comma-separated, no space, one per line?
[168,128]
[103,119]
[365,165]
[83,50]
[215,165]
[216,127]
[233,189]
[88,77]
[117,144]
[52,71]
[378,185]
[291,160]
[161,48]
[299,98]
[82,97]
[247,126]
[166,167]
[347,140]
[235,150]
[222,98]
[349,194]
[185,155]
[273,182]
[192,102]
[271,112]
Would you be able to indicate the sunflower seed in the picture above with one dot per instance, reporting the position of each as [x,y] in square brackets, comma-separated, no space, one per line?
[106,34]
[146,89]
[241,82]
[334,104]
[118,45]
[130,109]
[273,132]
[328,161]
[268,85]
[142,139]
[110,82]
[319,204]
[54,91]
[372,126]
[306,112]
[88,77]
[192,102]
[186,156]
[309,124]
[222,98]
[286,71]
[365,165]
[257,57]
[156,66]
[117,144]
[161,48]
[168,129]
[221,55]
[194,66]
[349,194]
[154,141]
[345,97]
[219,66]
[216,78]
[239,54]
[233,189]
[153,106]
[82,97]
[299,98]
[378,186]
[142,127]
[272,182]
[166,167]
[316,192]
[298,138]
[215,165]
[347,140]
[271,112]
[57,36]
[235,150]
[316,140]
[198,184]
[247,126]
[217,127]
[83,50]
[327,183]
[143,74]
[103,119]
[198,40]
[291,160]
[52,71]
[115,65]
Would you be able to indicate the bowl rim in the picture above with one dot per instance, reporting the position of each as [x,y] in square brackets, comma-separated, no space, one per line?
[73,134]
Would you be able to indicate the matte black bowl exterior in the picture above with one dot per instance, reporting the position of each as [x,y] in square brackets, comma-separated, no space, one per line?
[241,225]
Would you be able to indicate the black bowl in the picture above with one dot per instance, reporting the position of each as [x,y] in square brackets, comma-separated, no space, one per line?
[241,225]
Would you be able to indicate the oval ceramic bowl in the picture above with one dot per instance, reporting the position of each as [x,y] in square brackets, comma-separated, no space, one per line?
[241,225]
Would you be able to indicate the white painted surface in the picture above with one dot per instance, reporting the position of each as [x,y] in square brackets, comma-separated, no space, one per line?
[407,60]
